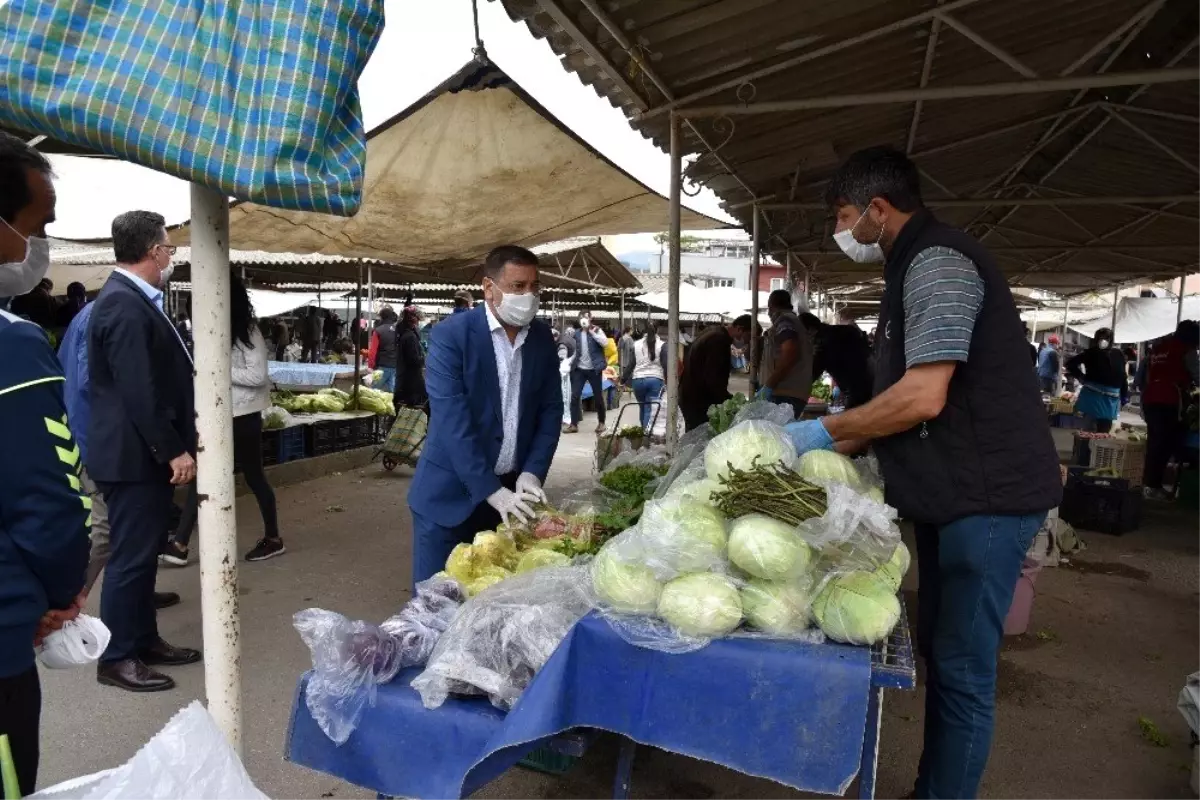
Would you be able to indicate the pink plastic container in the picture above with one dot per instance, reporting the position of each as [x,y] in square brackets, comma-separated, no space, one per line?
[1016,621]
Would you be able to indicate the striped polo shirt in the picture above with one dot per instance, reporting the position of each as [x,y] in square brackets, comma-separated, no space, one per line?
[942,297]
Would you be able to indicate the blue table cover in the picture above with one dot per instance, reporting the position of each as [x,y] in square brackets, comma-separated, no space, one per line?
[294,373]
[794,713]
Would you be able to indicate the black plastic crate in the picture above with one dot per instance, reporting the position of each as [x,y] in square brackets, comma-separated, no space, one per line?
[292,444]
[1104,505]
[270,447]
[323,438]
[362,431]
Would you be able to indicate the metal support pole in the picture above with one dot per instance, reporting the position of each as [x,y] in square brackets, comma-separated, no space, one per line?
[1113,324]
[1066,317]
[755,258]
[1179,311]
[357,334]
[370,292]
[220,620]
[673,285]
[621,321]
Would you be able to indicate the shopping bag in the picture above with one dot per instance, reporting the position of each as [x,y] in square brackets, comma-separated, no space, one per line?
[78,642]
[254,98]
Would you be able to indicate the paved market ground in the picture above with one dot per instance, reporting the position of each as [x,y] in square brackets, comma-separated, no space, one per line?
[1113,637]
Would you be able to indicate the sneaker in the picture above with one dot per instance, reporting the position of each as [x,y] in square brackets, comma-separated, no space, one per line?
[266,548]
[174,554]
[571,429]
[600,428]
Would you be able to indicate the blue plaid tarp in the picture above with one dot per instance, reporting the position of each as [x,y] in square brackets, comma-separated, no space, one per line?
[254,98]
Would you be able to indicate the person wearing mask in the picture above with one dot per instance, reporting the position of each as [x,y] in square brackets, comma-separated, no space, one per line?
[141,444]
[494,414]
[310,336]
[43,512]
[410,382]
[1048,366]
[463,301]
[786,373]
[384,349]
[647,372]
[588,369]
[706,367]
[962,439]
[1100,369]
[563,349]
[844,352]
[1171,372]
[251,396]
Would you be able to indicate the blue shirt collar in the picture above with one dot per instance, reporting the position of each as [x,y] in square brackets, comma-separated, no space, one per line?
[153,292]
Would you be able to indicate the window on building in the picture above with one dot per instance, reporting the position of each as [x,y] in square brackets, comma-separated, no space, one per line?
[778,283]
[721,282]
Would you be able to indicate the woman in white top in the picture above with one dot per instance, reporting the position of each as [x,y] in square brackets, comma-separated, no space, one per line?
[647,371]
[251,396]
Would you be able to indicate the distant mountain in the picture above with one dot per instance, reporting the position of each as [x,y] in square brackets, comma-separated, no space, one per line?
[638,260]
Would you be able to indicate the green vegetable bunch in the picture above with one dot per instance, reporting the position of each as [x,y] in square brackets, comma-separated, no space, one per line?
[631,480]
[770,489]
[720,417]
[821,391]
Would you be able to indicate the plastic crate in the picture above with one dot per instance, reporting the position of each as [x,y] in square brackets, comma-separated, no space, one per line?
[1104,505]
[362,432]
[323,438]
[270,447]
[1125,457]
[292,444]
[547,761]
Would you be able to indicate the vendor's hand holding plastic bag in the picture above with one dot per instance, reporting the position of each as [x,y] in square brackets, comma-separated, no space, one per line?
[78,642]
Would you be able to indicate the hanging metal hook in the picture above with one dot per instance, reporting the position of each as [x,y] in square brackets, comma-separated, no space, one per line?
[478,51]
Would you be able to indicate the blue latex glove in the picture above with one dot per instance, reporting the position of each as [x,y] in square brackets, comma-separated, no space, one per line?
[809,434]
[765,393]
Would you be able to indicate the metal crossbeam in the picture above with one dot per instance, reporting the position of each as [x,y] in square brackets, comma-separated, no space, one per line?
[1016,202]
[926,68]
[1151,139]
[565,22]
[998,52]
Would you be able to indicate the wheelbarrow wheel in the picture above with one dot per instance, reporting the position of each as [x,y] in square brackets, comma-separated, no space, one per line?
[389,463]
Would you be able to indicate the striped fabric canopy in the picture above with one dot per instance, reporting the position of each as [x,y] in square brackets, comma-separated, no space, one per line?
[254,98]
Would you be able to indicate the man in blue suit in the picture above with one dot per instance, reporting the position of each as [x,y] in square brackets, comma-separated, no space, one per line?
[494,417]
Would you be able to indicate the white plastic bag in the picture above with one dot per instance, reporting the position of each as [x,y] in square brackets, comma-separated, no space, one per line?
[188,758]
[77,643]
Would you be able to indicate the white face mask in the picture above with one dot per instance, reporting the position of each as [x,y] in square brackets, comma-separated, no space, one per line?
[517,310]
[1103,344]
[855,250]
[22,277]
[584,323]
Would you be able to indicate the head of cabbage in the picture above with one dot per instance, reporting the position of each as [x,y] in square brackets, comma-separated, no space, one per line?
[747,444]
[896,568]
[535,559]
[496,548]
[824,467]
[488,576]
[700,490]
[767,548]
[703,604]
[856,608]
[679,535]
[464,563]
[624,586]
[778,608]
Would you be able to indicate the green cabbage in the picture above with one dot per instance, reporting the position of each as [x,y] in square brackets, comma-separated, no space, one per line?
[700,490]
[702,604]
[894,570]
[464,563]
[325,402]
[781,609]
[746,444]
[624,587]
[857,608]
[825,466]
[535,559]
[683,535]
[767,548]
[496,548]
[488,576]
[334,392]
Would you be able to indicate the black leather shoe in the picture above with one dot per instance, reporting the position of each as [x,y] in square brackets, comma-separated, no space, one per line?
[169,655]
[165,599]
[132,675]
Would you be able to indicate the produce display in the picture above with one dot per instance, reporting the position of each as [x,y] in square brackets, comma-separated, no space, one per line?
[820,392]
[334,400]
[720,417]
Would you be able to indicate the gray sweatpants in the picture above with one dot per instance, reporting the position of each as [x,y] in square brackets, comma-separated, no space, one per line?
[101,546]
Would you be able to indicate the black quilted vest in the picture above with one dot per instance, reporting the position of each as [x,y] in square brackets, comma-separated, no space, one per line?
[989,451]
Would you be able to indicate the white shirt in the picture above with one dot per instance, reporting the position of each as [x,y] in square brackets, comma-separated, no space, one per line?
[508,370]
[643,365]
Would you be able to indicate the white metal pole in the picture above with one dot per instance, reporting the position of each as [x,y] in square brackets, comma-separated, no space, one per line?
[370,293]
[214,471]
[1066,317]
[755,258]
[1179,310]
[1113,324]
[673,285]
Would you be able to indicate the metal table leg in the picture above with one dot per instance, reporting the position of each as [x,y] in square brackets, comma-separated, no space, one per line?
[870,749]
[624,769]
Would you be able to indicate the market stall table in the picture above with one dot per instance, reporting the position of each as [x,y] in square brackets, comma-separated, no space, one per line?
[803,715]
[298,376]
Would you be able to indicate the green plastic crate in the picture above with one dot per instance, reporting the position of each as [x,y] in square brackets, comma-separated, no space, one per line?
[548,761]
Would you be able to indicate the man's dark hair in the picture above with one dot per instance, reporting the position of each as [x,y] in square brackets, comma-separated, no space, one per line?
[388,314]
[134,233]
[1188,332]
[744,322]
[493,265]
[876,172]
[16,159]
[75,290]
[780,298]
[810,321]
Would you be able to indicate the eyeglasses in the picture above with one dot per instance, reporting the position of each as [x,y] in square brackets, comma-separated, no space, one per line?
[170,248]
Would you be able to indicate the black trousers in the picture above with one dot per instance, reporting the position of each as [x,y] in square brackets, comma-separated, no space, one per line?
[20,712]
[1163,432]
[139,515]
[247,454]
[594,377]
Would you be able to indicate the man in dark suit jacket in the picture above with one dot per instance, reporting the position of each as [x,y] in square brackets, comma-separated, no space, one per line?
[495,412]
[142,437]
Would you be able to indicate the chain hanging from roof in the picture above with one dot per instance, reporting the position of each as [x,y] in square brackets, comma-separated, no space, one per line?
[478,51]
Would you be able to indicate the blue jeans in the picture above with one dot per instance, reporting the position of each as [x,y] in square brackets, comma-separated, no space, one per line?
[647,390]
[968,570]
[389,379]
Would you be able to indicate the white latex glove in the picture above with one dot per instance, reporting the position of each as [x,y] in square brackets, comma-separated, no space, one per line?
[529,485]
[511,504]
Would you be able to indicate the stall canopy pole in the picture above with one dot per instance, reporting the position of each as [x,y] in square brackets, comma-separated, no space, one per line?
[357,334]
[370,292]
[214,429]
[1179,310]
[755,257]
[621,323]
[1113,325]
[673,286]
[1066,316]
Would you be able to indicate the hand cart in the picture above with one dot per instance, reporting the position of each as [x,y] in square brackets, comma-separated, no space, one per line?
[405,438]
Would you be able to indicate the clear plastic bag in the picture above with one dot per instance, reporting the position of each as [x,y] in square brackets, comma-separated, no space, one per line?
[679,535]
[746,444]
[503,636]
[352,657]
[776,413]
[77,643]
[275,418]
[855,533]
